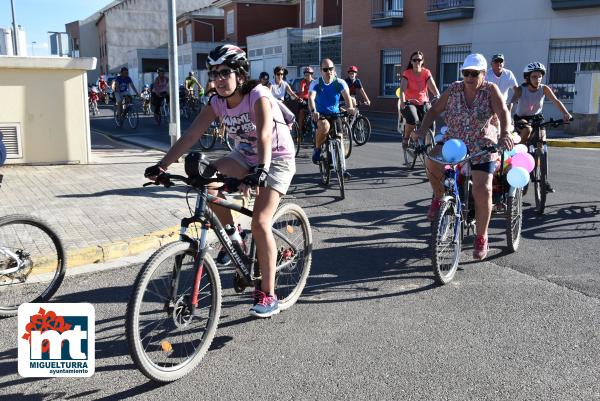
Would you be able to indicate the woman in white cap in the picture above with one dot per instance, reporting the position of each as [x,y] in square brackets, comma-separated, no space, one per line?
[475,113]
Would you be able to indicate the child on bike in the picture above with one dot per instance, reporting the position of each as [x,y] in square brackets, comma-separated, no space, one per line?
[263,155]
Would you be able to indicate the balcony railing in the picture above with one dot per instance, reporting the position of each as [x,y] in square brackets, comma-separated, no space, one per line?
[445,10]
[387,13]
[568,4]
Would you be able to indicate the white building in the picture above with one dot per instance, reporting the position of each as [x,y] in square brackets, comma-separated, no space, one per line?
[6,41]
[558,33]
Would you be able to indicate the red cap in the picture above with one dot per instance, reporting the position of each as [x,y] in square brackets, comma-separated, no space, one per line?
[353,68]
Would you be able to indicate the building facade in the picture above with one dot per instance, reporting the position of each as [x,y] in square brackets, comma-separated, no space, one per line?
[561,34]
[378,37]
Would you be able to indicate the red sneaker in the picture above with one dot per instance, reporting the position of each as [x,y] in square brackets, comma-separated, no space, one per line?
[435,206]
[480,247]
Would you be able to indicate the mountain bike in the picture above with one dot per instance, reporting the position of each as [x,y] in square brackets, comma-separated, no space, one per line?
[455,218]
[333,150]
[128,113]
[418,150]
[32,261]
[538,148]
[360,127]
[216,131]
[174,311]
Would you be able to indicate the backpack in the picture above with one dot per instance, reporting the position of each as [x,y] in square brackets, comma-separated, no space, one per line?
[321,85]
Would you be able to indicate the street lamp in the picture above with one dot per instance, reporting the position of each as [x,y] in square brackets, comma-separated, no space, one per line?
[33,43]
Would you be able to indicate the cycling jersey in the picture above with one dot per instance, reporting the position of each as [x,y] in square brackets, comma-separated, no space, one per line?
[190,82]
[304,85]
[353,85]
[417,85]
[327,98]
[122,84]
[102,84]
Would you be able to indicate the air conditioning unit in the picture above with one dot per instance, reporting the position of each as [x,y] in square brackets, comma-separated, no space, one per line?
[11,136]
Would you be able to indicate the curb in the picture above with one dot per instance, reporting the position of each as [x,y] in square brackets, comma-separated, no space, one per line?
[118,249]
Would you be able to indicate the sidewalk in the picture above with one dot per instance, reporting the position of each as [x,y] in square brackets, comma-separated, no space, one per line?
[101,211]
[387,123]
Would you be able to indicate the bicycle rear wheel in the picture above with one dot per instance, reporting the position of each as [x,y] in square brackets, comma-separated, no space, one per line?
[35,251]
[165,338]
[514,220]
[410,154]
[208,139]
[361,130]
[338,168]
[325,166]
[539,177]
[293,238]
[445,245]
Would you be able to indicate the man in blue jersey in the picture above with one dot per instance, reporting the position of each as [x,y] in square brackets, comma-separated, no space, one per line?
[120,87]
[324,101]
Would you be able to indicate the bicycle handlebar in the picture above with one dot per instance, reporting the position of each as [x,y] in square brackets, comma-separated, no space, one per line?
[483,151]
[539,124]
[166,180]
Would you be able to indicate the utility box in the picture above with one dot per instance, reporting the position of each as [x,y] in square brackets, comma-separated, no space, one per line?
[586,104]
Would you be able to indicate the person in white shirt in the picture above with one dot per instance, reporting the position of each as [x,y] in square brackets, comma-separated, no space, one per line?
[279,87]
[502,77]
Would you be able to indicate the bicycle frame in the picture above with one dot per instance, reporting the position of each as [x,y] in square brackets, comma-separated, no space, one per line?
[15,257]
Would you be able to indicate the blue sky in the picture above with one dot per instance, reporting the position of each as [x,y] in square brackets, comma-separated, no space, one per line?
[40,16]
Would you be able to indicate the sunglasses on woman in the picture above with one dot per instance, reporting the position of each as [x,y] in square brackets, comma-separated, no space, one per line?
[220,74]
[417,60]
[471,73]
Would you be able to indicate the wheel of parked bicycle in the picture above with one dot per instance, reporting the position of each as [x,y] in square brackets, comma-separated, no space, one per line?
[445,250]
[361,130]
[208,139]
[32,262]
[514,219]
[167,339]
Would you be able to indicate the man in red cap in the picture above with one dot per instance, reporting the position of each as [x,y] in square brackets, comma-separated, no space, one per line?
[355,85]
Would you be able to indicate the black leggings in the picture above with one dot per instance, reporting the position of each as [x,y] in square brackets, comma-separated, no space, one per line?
[414,113]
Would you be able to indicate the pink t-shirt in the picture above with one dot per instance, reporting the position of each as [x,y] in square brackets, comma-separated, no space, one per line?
[417,85]
[241,123]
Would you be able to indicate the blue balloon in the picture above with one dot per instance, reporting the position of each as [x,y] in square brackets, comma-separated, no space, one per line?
[439,137]
[454,150]
[517,177]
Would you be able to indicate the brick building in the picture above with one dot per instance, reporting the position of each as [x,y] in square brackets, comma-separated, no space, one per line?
[378,36]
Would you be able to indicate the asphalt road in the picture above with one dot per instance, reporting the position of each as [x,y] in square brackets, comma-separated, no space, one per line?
[372,323]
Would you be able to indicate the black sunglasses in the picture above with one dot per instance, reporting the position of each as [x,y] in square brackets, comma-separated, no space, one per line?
[416,60]
[470,73]
[327,69]
[220,74]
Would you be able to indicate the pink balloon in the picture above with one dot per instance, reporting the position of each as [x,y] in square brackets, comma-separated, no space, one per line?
[520,148]
[524,160]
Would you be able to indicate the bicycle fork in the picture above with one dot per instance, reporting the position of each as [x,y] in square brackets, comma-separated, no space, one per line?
[335,155]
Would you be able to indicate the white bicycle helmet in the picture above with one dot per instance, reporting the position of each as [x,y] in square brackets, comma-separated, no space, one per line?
[229,55]
[535,66]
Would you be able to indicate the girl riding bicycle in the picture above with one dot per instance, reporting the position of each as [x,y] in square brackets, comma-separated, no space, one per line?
[263,155]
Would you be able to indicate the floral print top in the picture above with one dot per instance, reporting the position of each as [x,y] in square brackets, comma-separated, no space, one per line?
[477,126]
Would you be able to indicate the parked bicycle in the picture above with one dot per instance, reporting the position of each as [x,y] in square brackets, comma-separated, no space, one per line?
[32,261]
[455,218]
[129,113]
[175,307]
[333,151]
[538,148]
[418,150]
[216,131]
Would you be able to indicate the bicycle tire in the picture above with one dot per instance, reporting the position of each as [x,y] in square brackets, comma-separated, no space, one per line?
[174,315]
[118,120]
[45,255]
[291,280]
[514,220]
[429,143]
[410,155]
[361,130]
[208,139]
[338,169]
[133,118]
[442,239]
[229,141]
[347,138]
[325,167]
[296,137]
[540,181]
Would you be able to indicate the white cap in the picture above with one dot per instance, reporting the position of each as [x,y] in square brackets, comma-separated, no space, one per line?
[475,61]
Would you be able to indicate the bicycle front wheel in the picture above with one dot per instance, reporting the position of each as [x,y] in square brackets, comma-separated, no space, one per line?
[445,243]
[347,138]
[168,339]
[410,154]
[361,130]
[118,119]
[339,169]
[539,180]
[229,141]
[325,167]
[133,118]
[32,262]
[208,139]
[514,220]
[293,237]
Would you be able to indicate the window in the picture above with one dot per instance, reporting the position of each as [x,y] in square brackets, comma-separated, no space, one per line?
[393,8]
[230,22]
[188,33]
[451,59]
[568,56]
[390,59]
[310,11]
[179,36]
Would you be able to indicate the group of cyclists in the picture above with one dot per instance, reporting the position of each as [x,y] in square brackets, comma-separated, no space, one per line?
[475,111]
